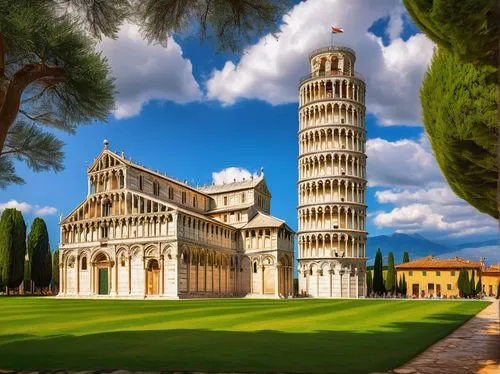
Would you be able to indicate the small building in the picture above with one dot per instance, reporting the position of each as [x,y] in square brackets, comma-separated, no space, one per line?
[490,278]
[430,276]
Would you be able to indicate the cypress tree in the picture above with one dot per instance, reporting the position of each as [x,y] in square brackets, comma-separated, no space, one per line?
[55,271]
[473,284]
[406,257]
[404,288]
[467,290]
[479,286]
[378,278]
[12,247]
[460,282]
[39,252]
[369,282]
[390,280]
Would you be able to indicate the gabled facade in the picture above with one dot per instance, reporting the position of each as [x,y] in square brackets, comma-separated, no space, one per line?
[139,233]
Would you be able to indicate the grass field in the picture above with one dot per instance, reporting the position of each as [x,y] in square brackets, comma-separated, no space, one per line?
[344,336]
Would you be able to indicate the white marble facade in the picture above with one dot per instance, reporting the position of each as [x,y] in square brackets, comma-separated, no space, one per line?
[332,177]
[141,234]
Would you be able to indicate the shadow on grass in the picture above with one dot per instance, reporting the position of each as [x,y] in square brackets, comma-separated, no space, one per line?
[214,350]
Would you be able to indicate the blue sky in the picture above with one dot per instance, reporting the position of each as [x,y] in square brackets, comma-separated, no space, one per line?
[189,111]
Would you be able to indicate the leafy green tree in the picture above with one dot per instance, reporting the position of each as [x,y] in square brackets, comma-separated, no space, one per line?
[378,277]
[39,253]
[55,271]
[51,74]
[12,247]
[459,113]
[390,280]
[369,282]
[406,257]
[469,28]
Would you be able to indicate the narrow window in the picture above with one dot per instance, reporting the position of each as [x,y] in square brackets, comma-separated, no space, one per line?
[195,202]
[243,197]
[255,267]
[184,197]
[122,181]
[140,182]
[84,263]
[171,193]
[225,200]
[438,273]
[424,273]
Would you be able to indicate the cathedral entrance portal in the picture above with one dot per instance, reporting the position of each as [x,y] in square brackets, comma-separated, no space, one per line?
[103,281]
[153,278]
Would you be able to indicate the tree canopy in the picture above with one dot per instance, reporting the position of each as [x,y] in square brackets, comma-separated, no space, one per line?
[52,76]
[470,28]
[55,270]
[459,113]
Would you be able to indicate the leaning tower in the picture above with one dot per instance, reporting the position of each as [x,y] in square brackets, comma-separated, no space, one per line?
[331,187]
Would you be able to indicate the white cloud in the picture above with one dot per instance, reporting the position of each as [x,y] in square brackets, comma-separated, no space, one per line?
[45,211]
[401,163]
[421,201]
[270,69]
[28,208]
[147,72]
[232,174]
[21,206]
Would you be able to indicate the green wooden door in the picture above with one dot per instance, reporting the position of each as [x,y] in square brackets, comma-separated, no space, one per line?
[103,281]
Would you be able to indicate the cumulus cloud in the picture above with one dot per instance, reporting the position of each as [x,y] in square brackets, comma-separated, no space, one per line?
[146,72]
[232,174]
[28,208]
[270,69]
[409,181]
[434,221]
[401,163]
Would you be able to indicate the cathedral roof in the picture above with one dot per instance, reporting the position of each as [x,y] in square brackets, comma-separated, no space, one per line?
[231,208]
[233,186]
[262,220]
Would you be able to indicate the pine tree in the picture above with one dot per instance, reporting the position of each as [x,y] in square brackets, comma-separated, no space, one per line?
[390,281]
[39,252]
[55,271]
[12,247]
[51,74]
[378,279]
[406,257]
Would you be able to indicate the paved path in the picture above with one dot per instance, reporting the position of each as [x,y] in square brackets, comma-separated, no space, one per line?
[472,348]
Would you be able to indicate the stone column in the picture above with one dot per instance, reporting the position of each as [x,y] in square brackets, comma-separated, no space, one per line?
[277,280]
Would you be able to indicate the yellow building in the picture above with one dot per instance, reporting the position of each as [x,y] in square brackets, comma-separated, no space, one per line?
[490,278]
[433,277]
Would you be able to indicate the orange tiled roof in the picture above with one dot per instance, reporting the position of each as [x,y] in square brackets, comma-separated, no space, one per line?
[495,269]
[430,262]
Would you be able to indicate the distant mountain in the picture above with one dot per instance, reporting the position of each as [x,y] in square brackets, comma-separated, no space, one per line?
[419,246]
[485,243]
[416,245]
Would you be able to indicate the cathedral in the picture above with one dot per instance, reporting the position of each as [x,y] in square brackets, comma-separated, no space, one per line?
[141,234]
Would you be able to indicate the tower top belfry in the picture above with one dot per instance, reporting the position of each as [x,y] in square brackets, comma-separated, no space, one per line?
[332,172]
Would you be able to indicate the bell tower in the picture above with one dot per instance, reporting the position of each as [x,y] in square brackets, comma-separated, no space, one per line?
[332,176]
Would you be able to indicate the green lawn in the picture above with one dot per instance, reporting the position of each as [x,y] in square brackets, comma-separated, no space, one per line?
[334,336]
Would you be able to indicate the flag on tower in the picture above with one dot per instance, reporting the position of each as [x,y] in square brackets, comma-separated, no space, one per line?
[336,30]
